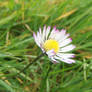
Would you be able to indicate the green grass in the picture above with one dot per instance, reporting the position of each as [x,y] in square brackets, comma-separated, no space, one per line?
[18,20]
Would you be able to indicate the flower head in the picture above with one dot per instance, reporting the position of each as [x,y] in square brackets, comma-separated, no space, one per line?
[56,44]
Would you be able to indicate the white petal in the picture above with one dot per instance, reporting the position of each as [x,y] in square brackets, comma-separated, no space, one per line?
[60,35]
[36,39]
[50,53]
[40,32]
[40,35]
[55,34]
[54,60]
[52,32]
[67,48]
[39,38]
[63,38]
[69,61]
[63,31]
[65,55]
[65,42]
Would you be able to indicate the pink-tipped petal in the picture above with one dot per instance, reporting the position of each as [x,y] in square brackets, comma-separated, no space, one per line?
[71,39]
[57,30]
[73,56]
[54,27]
[63,31]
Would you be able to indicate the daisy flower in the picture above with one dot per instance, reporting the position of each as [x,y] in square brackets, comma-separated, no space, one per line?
[56,44]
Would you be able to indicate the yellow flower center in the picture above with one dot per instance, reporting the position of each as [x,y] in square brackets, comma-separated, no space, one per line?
[51,44]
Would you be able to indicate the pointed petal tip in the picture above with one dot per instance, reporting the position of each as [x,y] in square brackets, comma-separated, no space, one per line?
[73,56]
[68,61]
[72,61]
[71,39]
[54,27]
[34,34]
[73,46]
[68,34]
[49,26]
[57,30]
[63,30]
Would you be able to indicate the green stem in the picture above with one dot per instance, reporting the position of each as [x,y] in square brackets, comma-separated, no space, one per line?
[32,62]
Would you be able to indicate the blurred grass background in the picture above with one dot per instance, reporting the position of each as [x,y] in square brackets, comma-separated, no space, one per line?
[19,19]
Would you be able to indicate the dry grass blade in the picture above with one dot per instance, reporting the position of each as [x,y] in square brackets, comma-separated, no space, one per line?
[65,15]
